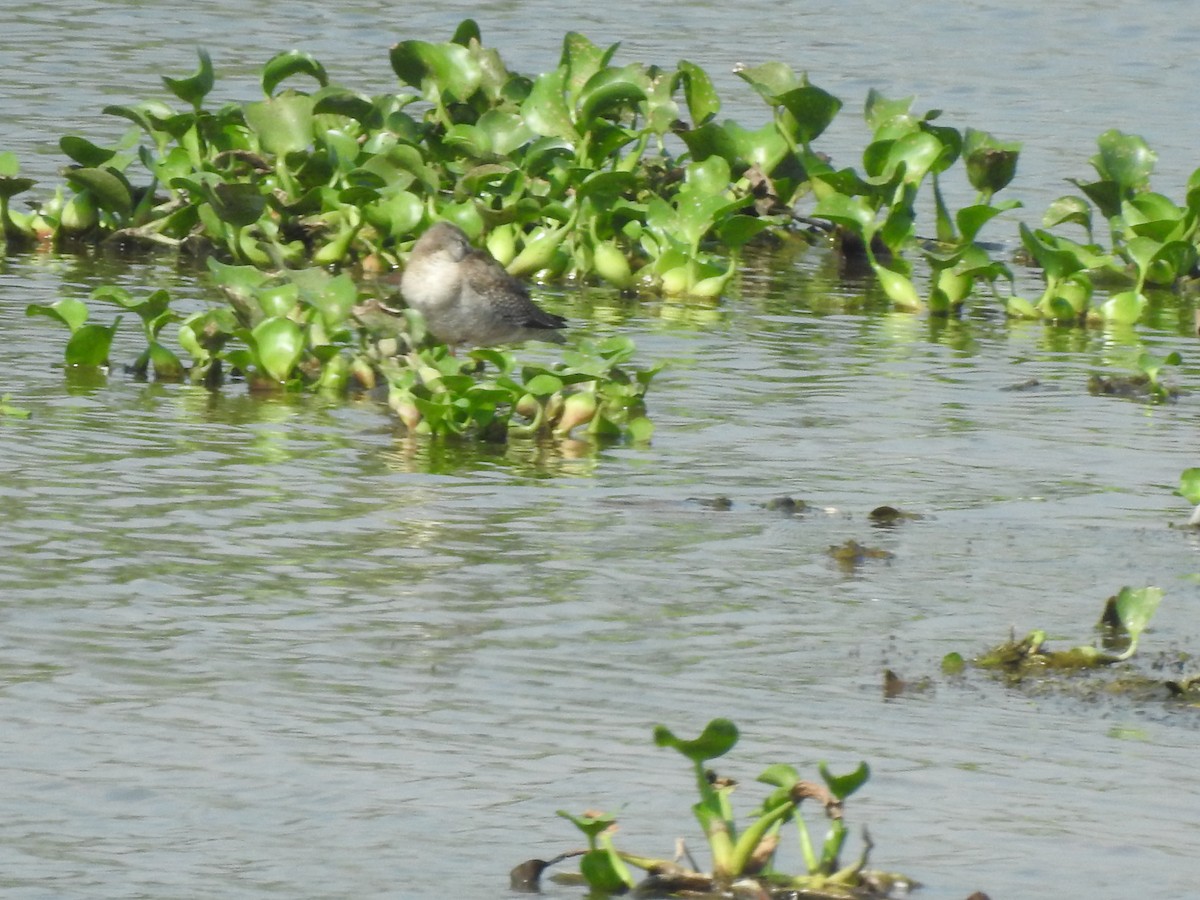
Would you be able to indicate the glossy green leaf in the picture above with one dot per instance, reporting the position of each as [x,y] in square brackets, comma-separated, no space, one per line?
[812,108]
[709,176]
[918,152]
[770,80]
[780,775]
[1020,308]
[1189,484]
[90,344]
[238,203]
[849,212]
[338,101]
[842,786]
[991,164]
[544,384]
[279,344]
[291,62]
[879,111]
[1068,209]
[899,288]
[283,124]
[545,110]
[109,189]
[466,32]
[971,219]
[278,300]
[69,311]
[84,151]
[717,739]
[698,91]
[167,366]
[608,93]
[193,90]
[1124,307]
[437,68]
[506,131]
[1124,159]
[580,61]
[1135,608]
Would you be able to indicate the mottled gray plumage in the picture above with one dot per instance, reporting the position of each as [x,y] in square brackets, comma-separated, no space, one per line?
[466,296]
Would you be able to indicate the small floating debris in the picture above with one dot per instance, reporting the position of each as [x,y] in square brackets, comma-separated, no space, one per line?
[720,502]
[853,554]
[789,506]
[886,516]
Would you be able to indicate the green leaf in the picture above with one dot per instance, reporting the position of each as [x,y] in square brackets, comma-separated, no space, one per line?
[580,61]
[1124,159]
[590,825]
[780,775]
[89,344]
[899,288]
[770,79]
[717,739]
[702,100]
[466,32]
[291,62]
[193,90]
[1135,608]
[109,189]
[437,69]
[842,786]
[84,151]
[849,212]
[812,108]
[283,124]
[545,110]
[1189,484]
[279,344]
[1124,307]
[278,300]
[69,311]
[544,384]
[1068,209]
[971,219]
[238,203]
[879,111]
[918,152]
[167,366]
[991,164]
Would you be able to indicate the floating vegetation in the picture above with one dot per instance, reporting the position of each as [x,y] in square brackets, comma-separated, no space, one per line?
[617,173]
[852,554]
[743,858]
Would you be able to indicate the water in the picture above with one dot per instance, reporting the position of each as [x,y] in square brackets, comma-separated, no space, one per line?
[256,649]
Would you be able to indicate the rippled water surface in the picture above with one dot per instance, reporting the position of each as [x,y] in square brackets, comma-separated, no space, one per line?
[273,649]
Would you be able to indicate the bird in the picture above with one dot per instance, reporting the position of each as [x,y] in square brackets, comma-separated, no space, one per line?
[466,296]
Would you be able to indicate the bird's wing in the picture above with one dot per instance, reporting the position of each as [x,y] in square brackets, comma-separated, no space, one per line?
[507,295]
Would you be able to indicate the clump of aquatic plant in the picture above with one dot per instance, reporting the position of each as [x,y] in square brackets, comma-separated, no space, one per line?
[591,393]
[594,170]
[566,174]
[1147,382]
[1152,239]
[310,330]
[1122,622]
[89,343]
[740,850]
